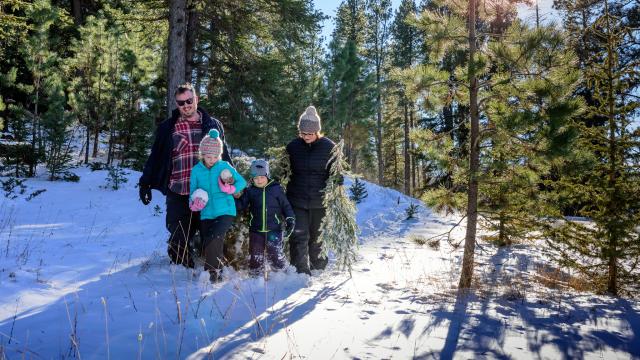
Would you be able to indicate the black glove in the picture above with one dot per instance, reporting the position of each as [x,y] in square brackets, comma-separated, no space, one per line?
[145,193]
[289,226]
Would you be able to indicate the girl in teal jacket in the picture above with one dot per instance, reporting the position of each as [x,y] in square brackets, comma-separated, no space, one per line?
[214,198]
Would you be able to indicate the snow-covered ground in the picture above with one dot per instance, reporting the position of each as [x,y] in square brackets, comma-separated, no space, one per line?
[83,274]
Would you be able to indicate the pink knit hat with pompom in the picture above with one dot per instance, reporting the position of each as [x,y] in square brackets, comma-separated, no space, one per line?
[211,144]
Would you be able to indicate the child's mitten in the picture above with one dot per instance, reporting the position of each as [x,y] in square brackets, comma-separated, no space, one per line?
[289,226]
[226,188]
[199,200]
[227,177]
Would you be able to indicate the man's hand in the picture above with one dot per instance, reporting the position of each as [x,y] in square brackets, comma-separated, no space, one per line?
[289,226]
[145,193]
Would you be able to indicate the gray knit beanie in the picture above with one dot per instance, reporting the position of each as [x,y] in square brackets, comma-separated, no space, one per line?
[309,121]
[259,167]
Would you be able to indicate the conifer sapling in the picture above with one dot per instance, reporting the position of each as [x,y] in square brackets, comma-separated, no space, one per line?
[339,231]
[358,191]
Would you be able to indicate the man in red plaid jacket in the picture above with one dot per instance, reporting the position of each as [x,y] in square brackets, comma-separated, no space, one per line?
[168,169]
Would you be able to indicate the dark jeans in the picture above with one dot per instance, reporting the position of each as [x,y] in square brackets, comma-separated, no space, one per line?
[269,243]
[182,224]
[212,233]
[305,250]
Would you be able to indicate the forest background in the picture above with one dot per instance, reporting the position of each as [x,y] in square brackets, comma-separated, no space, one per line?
[521,127]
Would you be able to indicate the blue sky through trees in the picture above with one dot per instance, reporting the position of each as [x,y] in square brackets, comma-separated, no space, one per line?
[329,7]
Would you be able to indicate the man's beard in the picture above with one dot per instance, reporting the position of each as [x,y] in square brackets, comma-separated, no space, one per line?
[190,113]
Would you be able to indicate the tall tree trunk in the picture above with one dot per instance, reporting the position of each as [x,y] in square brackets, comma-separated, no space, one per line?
[177,49]
[129,122]
[212,60]
[395,160]
[191,37]
[612,283]
[88,140]
[380,29]
[503,240]
[447,114]
[36,119]
[98,124]
[379,123]
[346,135]
[474,156]
[96,140]
[76,10]
[407,160]
[114,117]
[411,155]
[354,161]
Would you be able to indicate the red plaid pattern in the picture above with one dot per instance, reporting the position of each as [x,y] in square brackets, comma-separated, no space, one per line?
[186,139]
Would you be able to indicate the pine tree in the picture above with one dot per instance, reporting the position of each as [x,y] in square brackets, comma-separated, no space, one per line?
[13,25]
[411,211]
[40,60]
[378,15]
[404,54]
[350,101]
[601,181]
[339,231]
[88,69]
[56,123]
[259,75]
[177,42]
[531,118]
[351,105]
[473,29]
[358,191]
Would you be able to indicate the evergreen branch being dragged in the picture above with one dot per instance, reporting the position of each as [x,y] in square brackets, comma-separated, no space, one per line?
[339,230]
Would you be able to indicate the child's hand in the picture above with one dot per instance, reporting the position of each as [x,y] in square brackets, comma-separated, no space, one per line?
[197,204]
[237,195]
[226,188]
[289,226]
[227,177]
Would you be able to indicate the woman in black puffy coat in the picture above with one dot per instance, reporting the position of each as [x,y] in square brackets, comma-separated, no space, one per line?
[309,155]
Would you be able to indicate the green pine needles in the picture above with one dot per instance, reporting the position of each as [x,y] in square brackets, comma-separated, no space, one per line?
[600,181]
[339,231]
[358,191]
[279,164]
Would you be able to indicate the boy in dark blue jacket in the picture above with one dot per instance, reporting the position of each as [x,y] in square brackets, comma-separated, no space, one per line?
[269,209]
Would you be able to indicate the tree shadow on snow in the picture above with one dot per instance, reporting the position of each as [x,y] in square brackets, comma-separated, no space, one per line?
[470,329]
[264,325]
[479,323]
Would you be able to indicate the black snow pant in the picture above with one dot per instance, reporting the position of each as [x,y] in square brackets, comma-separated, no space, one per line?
[304,248]
[182,224]
[213,232]
[265,243]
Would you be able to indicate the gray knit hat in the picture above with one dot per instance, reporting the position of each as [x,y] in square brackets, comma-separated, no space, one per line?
[259,167]
[309,121]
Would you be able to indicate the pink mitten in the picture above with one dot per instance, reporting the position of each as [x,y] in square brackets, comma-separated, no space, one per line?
[197,204]
[226,188]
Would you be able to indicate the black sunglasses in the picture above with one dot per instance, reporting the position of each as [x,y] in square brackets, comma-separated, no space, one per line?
[189,101]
